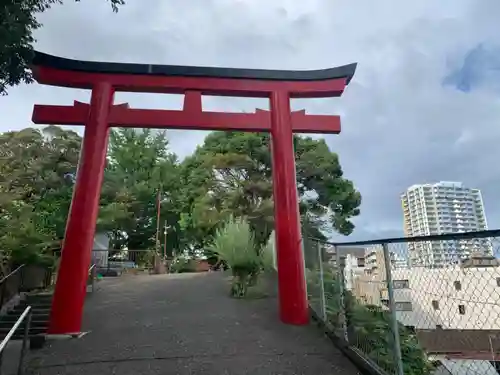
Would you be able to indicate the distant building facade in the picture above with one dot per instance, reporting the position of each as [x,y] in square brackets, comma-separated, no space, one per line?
[455,310]
[444,207]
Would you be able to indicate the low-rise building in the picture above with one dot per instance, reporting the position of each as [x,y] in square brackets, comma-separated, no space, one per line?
[457,297]
[455,310]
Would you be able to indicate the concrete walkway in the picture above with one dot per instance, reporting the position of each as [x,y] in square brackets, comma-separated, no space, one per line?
[186,324]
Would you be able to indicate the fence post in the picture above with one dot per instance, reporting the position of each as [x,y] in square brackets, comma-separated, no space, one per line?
[340,276]
[322,282]
[93,275]
[392,307]
[27,325]
[2,292]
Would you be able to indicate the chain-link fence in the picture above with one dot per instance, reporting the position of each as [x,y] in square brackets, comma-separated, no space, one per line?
[412,306]
[314,276]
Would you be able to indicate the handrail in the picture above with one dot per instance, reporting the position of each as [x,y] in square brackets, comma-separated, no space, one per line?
[25,315]
[18,322]
[11,274]
[434,237]
[3,285]
[92,276]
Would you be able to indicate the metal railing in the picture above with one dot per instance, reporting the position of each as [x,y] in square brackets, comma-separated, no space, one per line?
[11,285]
[92,277]
[411,306]
[115,262]
[24,278]
[26,318]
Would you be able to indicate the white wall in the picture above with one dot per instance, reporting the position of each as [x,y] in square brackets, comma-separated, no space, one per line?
[480,296]
[101,242]
[351,271]
[467,367]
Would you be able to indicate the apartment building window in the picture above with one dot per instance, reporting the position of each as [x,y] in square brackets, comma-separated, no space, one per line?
[401,284]
[404,306]
[435,305]
[458,285]
[461,309]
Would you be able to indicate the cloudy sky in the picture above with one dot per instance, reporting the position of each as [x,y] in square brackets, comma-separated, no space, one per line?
[424,105]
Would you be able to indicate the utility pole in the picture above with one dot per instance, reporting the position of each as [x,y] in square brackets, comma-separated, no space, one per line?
[165,243]
[158,205]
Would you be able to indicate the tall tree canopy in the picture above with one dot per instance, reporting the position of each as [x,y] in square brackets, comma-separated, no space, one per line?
[37,169]
[231,174]
[139,166]
[18,22]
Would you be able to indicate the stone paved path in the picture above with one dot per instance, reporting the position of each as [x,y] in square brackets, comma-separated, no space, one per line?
[186,324]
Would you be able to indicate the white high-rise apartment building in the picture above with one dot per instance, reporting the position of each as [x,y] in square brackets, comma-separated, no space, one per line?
[444,207]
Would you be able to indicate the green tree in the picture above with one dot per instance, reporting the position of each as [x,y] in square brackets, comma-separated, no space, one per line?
[37,170]
[16,37]
[139,166]
[230,174]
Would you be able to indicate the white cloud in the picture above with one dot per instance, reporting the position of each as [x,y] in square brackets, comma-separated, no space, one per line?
[401,125]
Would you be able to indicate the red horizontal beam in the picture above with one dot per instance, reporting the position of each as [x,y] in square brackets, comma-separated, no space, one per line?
[122,116]
[304,123]
[178,85]
[158,118]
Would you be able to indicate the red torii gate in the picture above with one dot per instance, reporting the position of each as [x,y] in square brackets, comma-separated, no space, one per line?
[106,78]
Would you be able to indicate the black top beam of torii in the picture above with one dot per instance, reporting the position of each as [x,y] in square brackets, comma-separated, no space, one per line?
[193,82]
[43,59]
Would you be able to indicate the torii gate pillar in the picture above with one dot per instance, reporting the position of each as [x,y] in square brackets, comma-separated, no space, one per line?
[71,286]
[289,255]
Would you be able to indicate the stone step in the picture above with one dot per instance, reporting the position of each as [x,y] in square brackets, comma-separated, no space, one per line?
[20,331]
[24,304]
[34,311]
[11,319]
[39,313]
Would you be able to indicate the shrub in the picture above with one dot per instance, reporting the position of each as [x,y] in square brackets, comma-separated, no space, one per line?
[267,254]
[235,245]
[182,265]
[32,257]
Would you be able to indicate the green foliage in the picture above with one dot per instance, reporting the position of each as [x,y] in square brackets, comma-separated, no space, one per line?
[369,327]
[231,175]
[182,265]
[234,243]
[37,169]
[143,259]
[25,242]
[267,254]
[37,174]
[139,166]
[319,170]
[19,21]
[311,233]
